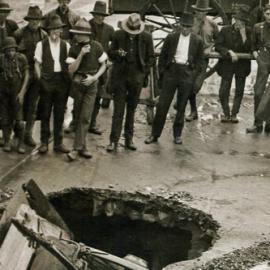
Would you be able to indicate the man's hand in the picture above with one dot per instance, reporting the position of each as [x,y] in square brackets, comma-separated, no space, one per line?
[255,55]
[20,97]
[85,49]
[122,53]
[89,80]
[233,56]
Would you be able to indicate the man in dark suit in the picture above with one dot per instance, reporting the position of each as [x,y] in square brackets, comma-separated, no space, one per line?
[132,54]
[181,55]
[233,39]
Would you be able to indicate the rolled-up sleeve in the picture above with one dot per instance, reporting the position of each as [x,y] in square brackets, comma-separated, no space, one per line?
[38,53]
[103,57]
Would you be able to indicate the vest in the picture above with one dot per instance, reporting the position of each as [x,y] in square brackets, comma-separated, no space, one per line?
[48,63]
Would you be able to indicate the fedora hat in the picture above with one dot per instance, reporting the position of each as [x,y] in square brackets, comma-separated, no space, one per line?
[100,8]
[242,13]
[82,27]
[34,13]
[4,7]
[133,24]
[54,22]
[202,5]
[9,42]
[187,19]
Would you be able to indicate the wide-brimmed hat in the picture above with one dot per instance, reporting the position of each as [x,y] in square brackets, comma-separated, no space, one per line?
[9,42]
[82,27]
[133,24]
[202,5]
[4,7]
[242,13]
[266,7]
[54,22]
[34,13]
[187,19]
[100,8]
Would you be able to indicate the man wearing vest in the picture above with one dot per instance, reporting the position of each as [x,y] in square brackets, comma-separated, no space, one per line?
[87,62]
[132,54]
[51,68]
[14,76]
[27,38]
[181,55]
[261,52]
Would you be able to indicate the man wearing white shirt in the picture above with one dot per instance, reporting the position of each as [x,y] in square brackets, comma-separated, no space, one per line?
[181,55]
[51,68]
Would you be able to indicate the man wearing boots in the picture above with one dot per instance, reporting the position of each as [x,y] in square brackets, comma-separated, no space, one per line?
[231,40]
[27,38]
[132,55]
[181,55]
[87,62]
[51,69]
[261,52]
[14,77]
[207,29]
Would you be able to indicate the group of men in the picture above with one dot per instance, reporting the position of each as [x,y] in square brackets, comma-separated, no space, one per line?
[61,54]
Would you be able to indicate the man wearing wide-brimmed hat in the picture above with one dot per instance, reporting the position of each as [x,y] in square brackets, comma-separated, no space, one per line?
[181,55]
[52,71]
[68,17]
[13,84]
[87,62]
[27,38]
[132,55]
[207,29]
[231,40]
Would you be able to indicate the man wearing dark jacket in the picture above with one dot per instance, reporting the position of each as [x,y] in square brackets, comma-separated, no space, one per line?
[233,39]
[132,54]
[181,55]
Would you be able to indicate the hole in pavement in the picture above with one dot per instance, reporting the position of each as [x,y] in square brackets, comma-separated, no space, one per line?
[159,230]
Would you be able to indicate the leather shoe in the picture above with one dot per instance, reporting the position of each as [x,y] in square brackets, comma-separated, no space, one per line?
[112,147]
[61,149]
[7,147]
[72,155]
[151,139]
[20,149]
[130,145]
[28,140]
[43,149]
[192,116]
[95,130]
[234,119]
[225,119]
[85,153]
[254,129]
[177,140]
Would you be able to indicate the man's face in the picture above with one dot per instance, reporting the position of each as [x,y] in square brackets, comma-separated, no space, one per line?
[84,39]
[55,34]
[98,19]
[34,24]
[267,15]
[63,5]
[10,52]
[200,15]
[3,16]
[239,24]
[186,30]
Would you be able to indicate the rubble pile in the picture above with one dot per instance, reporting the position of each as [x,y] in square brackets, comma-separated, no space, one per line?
[241,259]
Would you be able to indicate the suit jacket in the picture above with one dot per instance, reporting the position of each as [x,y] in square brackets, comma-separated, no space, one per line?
[230,39]
[261,36]
[195,52]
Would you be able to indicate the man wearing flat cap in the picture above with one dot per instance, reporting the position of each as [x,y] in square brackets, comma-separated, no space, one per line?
[27,38]
[132,54]
[52,71]
[87,62]
[231,40]
[181,55]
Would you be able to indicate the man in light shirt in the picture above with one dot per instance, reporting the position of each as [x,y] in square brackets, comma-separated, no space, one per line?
[51,68]
[181,55]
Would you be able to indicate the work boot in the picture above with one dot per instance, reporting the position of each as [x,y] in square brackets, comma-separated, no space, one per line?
[177,140]
[225,119]
[151,139]
[72,155]
[85,153]
[28,140]
[112,147]
[7,146]
[130,145]
[105,104]
[61,149]
[43,149]
[20,148]
[254,129]
[1,142]
[95,130]
[192,116]
[267,128]
[70,128]
[234,119]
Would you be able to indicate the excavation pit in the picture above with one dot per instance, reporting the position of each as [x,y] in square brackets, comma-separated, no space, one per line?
[159,230]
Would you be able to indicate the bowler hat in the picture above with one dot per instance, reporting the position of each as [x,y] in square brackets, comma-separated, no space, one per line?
[54,22]
[202,5]
[82,27]
[242,13]
[133,24]
[34,13]
[187,19]
[9,42]
[4,7]
[100,8]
